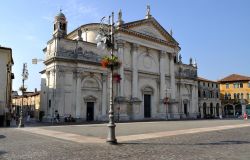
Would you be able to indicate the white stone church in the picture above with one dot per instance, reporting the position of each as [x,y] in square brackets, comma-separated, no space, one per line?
[154,84]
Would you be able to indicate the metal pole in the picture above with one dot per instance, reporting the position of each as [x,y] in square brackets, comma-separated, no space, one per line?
[21,124]
[111,133]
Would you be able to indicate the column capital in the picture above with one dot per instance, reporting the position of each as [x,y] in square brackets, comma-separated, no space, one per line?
[120,43]
[171,55]
[135,46]
[162,54]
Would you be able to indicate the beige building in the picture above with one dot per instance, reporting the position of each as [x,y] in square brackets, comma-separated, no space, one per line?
[6,62]
[74,83]
[209,98]
[235,95]
[31,104]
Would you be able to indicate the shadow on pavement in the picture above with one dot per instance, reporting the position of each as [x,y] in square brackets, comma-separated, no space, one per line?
[2,152]
[198,144]
[2,136]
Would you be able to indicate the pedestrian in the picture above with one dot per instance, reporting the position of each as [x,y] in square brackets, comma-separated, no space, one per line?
[28,117]
[245,116]
[57,118]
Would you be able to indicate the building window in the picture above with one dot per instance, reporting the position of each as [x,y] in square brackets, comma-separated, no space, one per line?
[203,83]
[241,85]
[217,94]
[241,96]
[204,94]
[235,96]
[238,96]
[249,84]
[226,96]
[248,96]
[208,84]
[227,85]
[212,85]
[229,96]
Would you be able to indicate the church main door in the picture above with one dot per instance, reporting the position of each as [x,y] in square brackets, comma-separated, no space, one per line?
[90,111]
[147,105]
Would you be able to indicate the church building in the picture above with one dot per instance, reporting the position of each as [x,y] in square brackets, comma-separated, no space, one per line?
[152,83]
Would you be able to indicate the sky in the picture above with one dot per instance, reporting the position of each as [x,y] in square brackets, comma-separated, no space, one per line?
[214,32]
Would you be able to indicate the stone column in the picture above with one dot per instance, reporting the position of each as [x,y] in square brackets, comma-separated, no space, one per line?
[47,93]
[104,95]
[163,88]
[78,94]
[172,75]
[135,70]
[120,45]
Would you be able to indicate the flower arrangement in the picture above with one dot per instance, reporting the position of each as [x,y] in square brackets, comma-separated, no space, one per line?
[110,61]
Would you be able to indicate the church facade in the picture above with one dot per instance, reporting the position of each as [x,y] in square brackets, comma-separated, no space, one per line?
[153,82]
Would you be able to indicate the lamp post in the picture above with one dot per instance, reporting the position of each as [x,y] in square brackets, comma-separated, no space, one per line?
[105,40]
[25,75]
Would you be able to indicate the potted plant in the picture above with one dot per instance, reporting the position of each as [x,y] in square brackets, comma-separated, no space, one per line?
[110,61]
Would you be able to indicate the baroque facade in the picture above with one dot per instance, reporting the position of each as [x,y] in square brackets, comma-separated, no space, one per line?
[154,83]
[209,98]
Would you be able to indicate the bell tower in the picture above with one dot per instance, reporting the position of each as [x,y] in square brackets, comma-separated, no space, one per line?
[60,25]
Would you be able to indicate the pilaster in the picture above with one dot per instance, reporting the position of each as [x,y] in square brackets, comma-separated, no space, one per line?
[172,75]
[78,94]
[162,75]
[135,70]
[120,45]
[104,95]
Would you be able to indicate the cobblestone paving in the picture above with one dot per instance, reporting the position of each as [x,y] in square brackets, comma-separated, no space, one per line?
[233,144]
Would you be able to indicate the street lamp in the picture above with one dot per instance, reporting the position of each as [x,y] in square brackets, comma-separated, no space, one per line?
[105,40]
[25,75]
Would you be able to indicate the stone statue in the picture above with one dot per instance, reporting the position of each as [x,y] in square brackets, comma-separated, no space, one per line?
[79,34]
[120,15]
[148,15]
[180,58]
[191,61]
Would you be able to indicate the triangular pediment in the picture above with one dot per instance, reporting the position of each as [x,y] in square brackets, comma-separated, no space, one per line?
[150,27]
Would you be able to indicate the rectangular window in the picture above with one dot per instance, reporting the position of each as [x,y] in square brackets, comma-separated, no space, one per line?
[248,84]
[227,85]
[241,85]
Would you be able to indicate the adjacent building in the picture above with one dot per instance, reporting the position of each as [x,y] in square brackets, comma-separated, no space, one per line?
[209,98]
[6,62]
[31,104]
[154,83]
[235,94]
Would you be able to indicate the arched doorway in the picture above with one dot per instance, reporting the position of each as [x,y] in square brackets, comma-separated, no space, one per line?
[238,109]
[204,110]
[248,109]
[229,110]
[217,109]
[211,109]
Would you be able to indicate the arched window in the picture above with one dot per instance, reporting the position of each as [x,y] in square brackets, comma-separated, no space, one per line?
[235,96]
[204,94]
[241,95]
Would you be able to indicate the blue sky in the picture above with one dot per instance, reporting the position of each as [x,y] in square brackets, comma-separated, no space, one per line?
[214,32]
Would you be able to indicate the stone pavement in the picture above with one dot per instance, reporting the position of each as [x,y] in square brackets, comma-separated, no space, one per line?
[214,139]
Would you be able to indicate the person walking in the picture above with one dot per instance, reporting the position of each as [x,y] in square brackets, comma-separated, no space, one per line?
[245,116]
